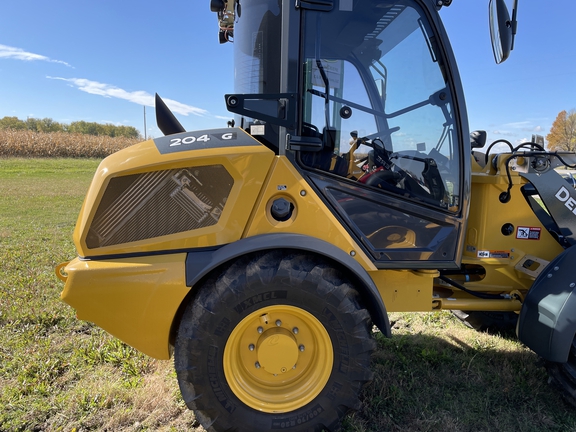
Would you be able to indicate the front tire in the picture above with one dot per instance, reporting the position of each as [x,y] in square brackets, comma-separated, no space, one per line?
[276,341]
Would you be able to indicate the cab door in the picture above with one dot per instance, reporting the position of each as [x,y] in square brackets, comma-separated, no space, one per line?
[380,91]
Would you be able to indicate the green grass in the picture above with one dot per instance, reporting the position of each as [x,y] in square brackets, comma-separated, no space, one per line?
[58,373]
[61,374]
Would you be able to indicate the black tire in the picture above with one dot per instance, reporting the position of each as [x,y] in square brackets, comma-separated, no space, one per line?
[491,321]
[563,375]
[255,284]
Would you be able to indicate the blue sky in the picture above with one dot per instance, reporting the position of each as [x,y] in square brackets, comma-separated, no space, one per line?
[103,60]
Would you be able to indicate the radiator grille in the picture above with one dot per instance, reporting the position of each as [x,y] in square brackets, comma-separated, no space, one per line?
[158,203]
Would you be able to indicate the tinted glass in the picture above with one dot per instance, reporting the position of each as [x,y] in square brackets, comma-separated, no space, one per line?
[376,92]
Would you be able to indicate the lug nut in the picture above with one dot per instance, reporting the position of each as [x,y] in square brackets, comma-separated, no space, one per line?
[295,330]
[278,323]
[257,365]
[301,348]
[260,330]
[251,347]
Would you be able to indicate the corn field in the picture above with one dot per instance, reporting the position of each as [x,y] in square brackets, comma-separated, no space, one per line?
[24,143]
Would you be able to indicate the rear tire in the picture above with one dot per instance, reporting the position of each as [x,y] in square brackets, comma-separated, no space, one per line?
[321,338]
[563,375]
[488,320]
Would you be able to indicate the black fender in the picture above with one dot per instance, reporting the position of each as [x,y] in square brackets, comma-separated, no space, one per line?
[547,322]
[200,263]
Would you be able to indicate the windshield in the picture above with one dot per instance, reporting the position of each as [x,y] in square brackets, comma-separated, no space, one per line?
[376,93]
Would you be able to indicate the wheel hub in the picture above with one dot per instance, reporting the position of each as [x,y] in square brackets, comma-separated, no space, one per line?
[277,351]
[278,359]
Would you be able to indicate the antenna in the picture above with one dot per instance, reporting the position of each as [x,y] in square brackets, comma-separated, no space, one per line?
[145,139]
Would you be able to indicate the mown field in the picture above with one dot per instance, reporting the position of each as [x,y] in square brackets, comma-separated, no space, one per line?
[61,374]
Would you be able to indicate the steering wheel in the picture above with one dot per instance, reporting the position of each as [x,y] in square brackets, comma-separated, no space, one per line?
[398,180]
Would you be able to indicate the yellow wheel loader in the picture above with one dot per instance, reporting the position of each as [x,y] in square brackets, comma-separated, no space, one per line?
[261,256]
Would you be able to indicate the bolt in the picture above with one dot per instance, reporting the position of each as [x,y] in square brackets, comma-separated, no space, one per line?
[295,330]
[260,330]
[257,365]
[556,268]
[301,348]
[283,370]
[549,275]
[278,323]
[251,347]
[572,285]
[294,367]
[352,253]
[302,193]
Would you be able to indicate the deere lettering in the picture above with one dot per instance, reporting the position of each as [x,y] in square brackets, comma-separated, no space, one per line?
[563,195]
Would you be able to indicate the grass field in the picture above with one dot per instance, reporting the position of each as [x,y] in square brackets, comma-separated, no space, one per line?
[61,374]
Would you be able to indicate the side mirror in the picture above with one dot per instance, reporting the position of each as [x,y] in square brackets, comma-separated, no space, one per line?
[502,29]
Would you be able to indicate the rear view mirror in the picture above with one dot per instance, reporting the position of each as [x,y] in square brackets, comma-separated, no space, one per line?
[502,29]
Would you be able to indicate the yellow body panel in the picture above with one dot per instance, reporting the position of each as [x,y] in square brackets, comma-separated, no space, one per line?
[311,217]
[248,166]
[134,299]
[404,290]
[485,243]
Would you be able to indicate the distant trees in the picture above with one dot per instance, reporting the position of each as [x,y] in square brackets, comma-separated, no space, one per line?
[12,123]
[562,134]
[82,127]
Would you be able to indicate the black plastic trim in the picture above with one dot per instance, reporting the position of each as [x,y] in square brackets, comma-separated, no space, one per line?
[144,254]
[316,5]
[546,323]
[200,263]
[258,106]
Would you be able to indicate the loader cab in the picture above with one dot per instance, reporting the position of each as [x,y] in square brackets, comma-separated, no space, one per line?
[365,98]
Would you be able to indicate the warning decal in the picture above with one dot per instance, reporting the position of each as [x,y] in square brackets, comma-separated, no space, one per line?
[493,254]
[528,233]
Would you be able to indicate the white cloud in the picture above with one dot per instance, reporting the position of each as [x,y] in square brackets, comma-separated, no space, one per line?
[525,126]
[502,132]
[138,97]
[19,54]
[518,125]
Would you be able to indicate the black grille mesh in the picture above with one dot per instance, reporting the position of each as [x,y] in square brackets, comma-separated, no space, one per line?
[158,203]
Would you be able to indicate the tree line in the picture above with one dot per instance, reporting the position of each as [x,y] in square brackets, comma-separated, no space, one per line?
[562,134]
[82,127]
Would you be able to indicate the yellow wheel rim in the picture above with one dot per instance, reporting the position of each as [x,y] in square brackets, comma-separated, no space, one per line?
[278,359]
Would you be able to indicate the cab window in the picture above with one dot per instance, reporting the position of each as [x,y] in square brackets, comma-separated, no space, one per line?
[377,95]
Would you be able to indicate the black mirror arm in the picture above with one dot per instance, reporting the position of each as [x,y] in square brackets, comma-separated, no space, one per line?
[514,23]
